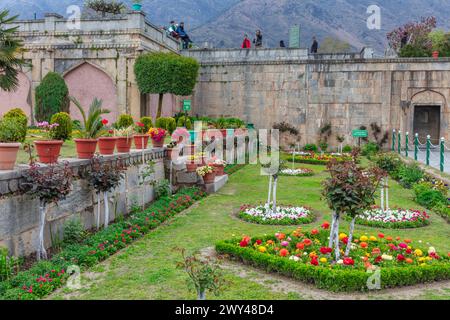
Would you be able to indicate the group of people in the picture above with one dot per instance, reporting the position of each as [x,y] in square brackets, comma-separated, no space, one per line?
[257,41]
[177,31]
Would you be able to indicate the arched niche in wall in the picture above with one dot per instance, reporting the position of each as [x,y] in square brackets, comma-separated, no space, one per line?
[19,98]
[86,82]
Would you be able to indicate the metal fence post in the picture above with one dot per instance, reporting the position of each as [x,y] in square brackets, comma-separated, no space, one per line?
[399,142]
[406,144]
[393,140]
[428,150]
[441,162]
[416,146]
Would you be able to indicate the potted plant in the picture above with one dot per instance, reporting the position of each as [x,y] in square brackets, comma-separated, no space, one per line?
[9,142]
[107,142]
[191,165]
[207,173]
[137,5]
[48,150]
[91,128]
[141,138]
[157,135]
[124,139]
[435,54]
[173,151]
[203,158]
[219,167]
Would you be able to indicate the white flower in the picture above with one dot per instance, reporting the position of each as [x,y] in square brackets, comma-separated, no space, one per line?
[295,258]
[431,250]
[266,213]
[386,257]
[340,261]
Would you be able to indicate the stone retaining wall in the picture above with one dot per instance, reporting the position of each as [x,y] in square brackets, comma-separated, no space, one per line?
[19,213]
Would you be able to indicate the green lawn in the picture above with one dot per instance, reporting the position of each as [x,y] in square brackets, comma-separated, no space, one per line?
[146,270]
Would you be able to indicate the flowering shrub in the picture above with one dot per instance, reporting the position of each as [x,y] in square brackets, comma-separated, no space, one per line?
[203,171]
[307,257]
[157,134]
[95,248]
[140,128]
[286,215]
[316,158]
[300,172]
[48,129]
[393,218]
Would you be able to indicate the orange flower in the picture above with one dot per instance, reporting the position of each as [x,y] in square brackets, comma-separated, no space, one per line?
[300,246]
[389,238]
[284,252]
[314,231]
[269,242]
[363,244]
[397,238]
[409,260]
[307,242]
[367,265]
[408,240]
[280,236]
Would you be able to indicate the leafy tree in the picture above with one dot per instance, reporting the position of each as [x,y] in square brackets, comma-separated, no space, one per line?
[162,73]
[52,96]
[10,48]
[416,32]
[105,6]
[332,45]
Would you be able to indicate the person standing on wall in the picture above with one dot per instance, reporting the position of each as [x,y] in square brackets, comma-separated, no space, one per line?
[315,46]
[282,45]
[246,44]
[258,39]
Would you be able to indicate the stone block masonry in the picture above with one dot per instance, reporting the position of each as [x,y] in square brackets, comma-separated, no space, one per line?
[19,213]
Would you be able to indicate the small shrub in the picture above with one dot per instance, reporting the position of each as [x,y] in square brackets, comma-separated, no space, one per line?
[311,147]
[184,122]
[7,264]
[64,130]
[409,174]
[124,121]
[428,197]
[370,149]
[389,162]
[148,123]
[11,130]
[20,116]
[286,127]
[73,231]
[347,149]
[162,189]
[411,51]
[323,146]
[168,124]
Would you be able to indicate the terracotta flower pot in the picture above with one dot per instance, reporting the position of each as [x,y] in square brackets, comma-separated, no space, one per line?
[435,54]
[48,151]
[219,170]
[86,148]
[157,144]
[106,145]
[138,139]
[172,154]
[124,144]
[209,178]
[8,155]
[191,167]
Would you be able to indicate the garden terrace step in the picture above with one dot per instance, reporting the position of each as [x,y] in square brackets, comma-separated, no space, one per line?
[218,184]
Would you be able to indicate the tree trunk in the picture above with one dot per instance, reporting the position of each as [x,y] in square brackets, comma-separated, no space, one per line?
[105,197]
[160,105]
[270,192]
[274,207]
[41,253]
[336,239]
[387,193]
[333,224]
[350,237]
[201,295]
[98,210]
[382,195]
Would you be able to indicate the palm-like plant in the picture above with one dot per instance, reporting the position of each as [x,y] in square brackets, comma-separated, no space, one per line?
[10,47]
[92,123]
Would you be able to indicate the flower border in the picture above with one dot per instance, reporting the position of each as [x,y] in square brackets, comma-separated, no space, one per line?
[393,225]
[283,222]
[308,173]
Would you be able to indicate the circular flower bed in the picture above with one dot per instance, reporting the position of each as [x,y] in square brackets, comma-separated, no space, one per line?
[284,215]
[299,172]
[306,256]
[393,218]
[320,159]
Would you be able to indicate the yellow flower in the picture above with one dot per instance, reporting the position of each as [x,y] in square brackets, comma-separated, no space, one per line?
[367,254]
[342,236]
[423,264]
[429,258]
[363,238]
[373,238]
[262,249]
[323,260]
[418,252]
[422,259]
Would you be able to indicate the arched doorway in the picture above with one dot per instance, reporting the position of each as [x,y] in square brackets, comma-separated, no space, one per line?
[20,98]
[86,82]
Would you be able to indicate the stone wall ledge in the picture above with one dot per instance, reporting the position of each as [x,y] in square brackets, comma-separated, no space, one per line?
[10,180]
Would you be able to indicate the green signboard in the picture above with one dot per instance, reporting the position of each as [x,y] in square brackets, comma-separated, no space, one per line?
[187,105]
[294,37]
[360,133]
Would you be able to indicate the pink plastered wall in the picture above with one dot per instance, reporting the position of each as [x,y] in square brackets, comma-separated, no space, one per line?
[169,105]
[87,82]
[17,98]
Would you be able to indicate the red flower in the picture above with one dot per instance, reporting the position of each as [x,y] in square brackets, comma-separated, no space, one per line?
[325,250]
[325,225]
[105,122]
[400,257]
[349,261]
[301,246]
[307,242]
[380,235]
[283,252]
[345,240]
[258,242]
[314,231]
[243,243]
[408,251]
[378,259]
[140,124]
[314,261]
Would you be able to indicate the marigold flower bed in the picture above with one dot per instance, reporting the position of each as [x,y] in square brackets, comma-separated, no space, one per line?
[306,257]
[285,215]
[299,172]
[46,276]
[320,159]
[396,218]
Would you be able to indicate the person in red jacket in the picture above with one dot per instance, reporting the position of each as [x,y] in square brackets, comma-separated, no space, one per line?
[246,44]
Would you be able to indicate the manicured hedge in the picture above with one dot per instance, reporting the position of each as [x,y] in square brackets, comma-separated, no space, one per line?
[336,280]
[94,249]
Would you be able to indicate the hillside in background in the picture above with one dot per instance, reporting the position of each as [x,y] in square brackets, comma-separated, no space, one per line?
[223,22]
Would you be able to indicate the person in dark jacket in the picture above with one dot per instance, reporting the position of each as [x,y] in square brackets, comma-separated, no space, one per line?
[183,35]
[282,45]
[315,46]
[258,40]
[404,39]
[246,44]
